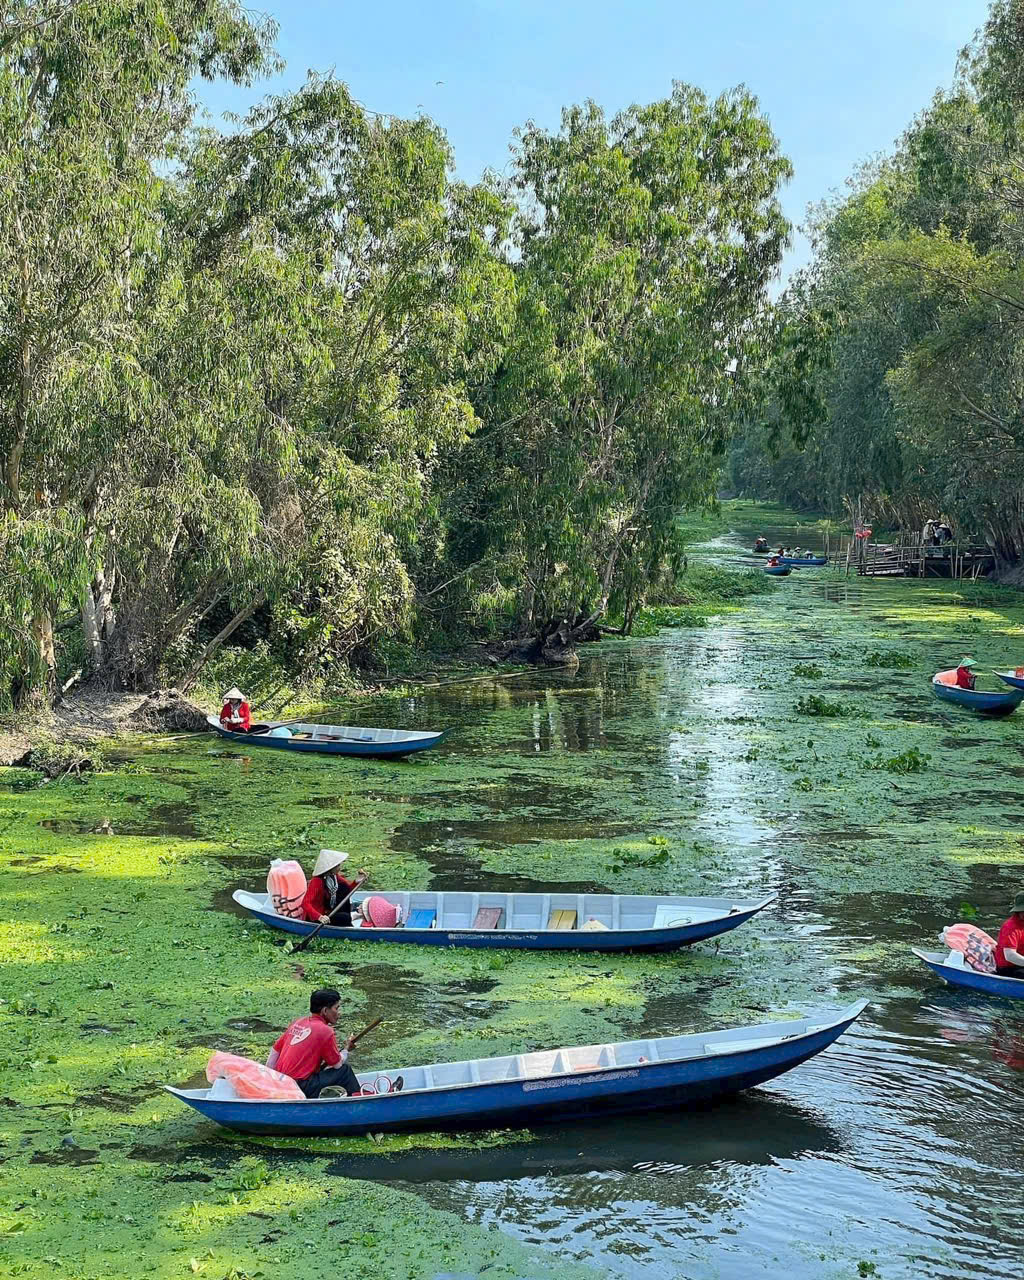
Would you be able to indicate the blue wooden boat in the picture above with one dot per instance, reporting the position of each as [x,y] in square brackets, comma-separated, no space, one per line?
[1013,680]
[804,562]
[552,1084]
[329,739]
[623,922]
[980,700]
[990,984]
[777,570]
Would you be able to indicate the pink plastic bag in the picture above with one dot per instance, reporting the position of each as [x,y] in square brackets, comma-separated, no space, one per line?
[252,1079]
[977,948]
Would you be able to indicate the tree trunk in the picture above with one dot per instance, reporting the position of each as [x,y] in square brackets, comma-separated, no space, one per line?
[225,633]
[98,617]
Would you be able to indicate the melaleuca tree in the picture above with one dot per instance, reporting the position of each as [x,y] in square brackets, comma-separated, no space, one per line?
[643,249]
[93,100]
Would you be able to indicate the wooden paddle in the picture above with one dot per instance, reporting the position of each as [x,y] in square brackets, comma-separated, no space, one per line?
[354,1040]
[301,946]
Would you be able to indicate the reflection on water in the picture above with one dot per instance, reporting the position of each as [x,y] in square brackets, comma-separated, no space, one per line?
[894,1154]
[896,1147]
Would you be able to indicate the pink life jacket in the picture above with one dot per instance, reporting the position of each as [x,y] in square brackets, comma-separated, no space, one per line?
[286,886]
[977,948]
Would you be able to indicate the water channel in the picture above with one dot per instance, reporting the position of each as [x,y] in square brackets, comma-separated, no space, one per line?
[686,761]
[897,1153]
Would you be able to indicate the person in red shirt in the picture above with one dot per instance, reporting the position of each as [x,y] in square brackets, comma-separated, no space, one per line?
[1010,943]
[308,1051]
[965,677]
[235,714]
[326,889]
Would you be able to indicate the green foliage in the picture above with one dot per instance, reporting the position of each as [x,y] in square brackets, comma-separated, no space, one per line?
[808,671]
[631,859]
[696,595]
[814,705]
[910,761]
[890,659]
[894,381]
[293,388]
[644,247]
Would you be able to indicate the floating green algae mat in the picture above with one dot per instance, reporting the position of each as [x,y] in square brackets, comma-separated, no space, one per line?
[674,762]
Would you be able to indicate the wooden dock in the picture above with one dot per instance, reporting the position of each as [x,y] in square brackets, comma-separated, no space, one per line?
[907,557]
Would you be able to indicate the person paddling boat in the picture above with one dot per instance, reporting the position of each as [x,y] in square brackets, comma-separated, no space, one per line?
[327,889]
[235,714]
[965,677]
[1010,943]
[308,1051]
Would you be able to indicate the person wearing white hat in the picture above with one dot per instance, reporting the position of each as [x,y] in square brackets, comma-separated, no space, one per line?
[327,888]
[235,714]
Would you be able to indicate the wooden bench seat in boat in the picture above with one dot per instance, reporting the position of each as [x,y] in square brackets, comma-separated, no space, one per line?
[562,918]
[489,918]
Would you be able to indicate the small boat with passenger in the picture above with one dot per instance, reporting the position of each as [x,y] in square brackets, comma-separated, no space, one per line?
[551,1084]
[525,921]
[1015,679]
[804,562]
[950,967]
[986,703]
[329,739]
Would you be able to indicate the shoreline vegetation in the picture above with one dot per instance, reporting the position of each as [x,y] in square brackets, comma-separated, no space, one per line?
[292,386]
[60,736]
[892,389]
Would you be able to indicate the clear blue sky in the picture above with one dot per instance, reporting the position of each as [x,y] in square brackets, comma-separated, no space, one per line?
[839,79]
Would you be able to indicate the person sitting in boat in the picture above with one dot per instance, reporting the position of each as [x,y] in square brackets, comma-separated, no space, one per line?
[1010,943]
[235,714]
[308,1051]
[326,889]
[760,544]
[965,677]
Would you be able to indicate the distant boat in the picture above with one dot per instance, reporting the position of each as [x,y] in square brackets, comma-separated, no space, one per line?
[777,570]
[944,686]
[1011,678]
[329,739]
[551,1084]
[534,921]
[992,984]
[804,562]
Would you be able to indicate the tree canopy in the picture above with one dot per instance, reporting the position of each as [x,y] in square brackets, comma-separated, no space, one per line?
[911,322]
[290,380]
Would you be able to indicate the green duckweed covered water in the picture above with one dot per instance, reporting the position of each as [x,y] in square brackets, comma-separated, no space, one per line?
[694,760]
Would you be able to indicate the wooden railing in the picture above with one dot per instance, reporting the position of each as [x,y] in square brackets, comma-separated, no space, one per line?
[907,556]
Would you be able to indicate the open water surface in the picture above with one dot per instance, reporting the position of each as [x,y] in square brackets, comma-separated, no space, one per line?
[897,1153]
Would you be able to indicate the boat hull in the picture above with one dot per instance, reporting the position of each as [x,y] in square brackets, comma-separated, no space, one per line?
[779,571]
[805,562]
[989,984]
[401,747]
[669,938]
[979,700]
[1007,677]
[648,1086]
